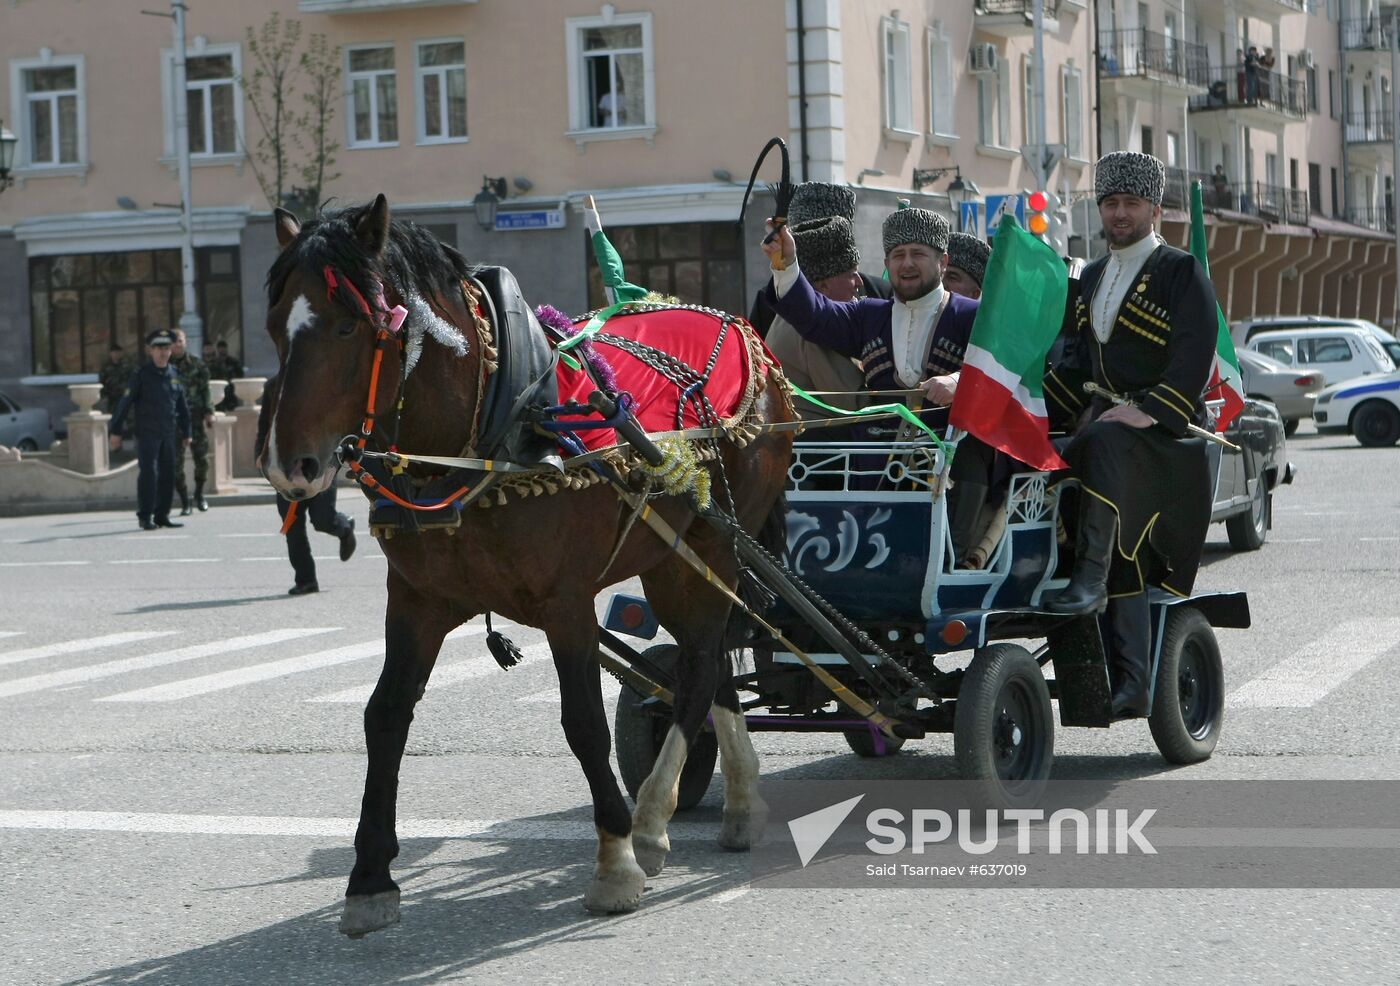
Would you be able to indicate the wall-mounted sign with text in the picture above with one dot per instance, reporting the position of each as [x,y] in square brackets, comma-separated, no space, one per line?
[530,219]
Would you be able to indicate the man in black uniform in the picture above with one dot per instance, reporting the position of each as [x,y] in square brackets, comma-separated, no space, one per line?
[1145,324]
[162,419]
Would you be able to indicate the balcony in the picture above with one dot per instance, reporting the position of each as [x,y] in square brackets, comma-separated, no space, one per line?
[1262,99]
[1177,192]
[1362,34]
[1369,128]
[1013,18]
[1372,217]
[371,6]
[1136,61]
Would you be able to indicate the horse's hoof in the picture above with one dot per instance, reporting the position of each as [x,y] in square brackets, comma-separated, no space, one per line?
[367,913]
[741,831]
[618,892]
[651,852]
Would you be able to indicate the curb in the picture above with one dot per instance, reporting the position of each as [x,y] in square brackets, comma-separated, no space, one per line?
[35,508]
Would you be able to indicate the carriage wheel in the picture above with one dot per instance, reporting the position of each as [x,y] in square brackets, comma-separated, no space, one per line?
[639,734]
[1003,727]
[1188,707]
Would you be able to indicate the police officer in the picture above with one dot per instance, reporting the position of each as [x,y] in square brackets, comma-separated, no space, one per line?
[113,377]
[162,423]
[194,377]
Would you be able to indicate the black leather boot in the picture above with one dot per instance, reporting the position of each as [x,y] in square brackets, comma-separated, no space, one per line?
[1095,543]
[199,503]
[184,504]
[1130,650]
[965,502]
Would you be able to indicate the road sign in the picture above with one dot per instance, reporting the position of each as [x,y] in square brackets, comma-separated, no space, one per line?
[1054,154]
[530,219]
[970,215]
[999,204]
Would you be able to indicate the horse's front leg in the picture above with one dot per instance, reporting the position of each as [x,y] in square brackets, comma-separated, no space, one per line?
[618,881]
[414,628]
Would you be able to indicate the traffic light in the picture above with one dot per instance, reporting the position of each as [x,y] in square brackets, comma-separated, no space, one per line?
[1047,221]
[1038,222]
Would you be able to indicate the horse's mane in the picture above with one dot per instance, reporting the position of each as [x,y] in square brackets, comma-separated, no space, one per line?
[414,262]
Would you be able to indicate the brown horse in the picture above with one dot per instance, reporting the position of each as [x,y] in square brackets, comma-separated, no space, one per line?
[537,561]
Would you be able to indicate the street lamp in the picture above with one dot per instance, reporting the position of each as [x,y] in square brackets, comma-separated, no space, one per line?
[8,143]
[492,191]
[960,189]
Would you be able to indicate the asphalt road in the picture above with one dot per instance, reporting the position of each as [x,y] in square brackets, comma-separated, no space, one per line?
[181,760]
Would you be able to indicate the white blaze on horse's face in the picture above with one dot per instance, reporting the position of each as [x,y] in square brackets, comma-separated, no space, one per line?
[305,478]
[300,317]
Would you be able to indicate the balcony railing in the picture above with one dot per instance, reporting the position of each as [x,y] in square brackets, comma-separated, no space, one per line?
[1369,128]
[1177,193]
[1147,54]
[1272,202]
[1234,87]
[1366,34]
[1372,217]
[1027,7]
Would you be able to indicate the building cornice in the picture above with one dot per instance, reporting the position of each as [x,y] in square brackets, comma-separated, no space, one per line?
[149,229]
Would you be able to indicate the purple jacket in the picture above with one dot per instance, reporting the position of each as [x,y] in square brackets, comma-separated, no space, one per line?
[862,330]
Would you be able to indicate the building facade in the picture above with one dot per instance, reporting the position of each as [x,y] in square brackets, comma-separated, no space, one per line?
[657,111]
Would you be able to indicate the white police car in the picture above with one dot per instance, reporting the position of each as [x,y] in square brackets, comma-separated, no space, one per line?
[1367,407]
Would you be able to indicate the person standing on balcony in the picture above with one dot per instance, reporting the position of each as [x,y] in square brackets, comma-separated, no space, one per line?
[1266,69]
[1221,183]
[1251,76]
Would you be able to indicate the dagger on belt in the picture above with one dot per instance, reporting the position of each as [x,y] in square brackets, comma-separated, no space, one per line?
[1092,388]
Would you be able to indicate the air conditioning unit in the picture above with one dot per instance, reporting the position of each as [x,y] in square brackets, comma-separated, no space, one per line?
[982,59]
[1305,59]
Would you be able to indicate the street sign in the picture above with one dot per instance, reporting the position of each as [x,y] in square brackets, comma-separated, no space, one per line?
[530,219]
[999,204]
[970,216]
[1054,154]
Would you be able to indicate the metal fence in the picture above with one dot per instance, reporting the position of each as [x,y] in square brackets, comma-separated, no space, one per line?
[1372,217]
[1026,7]
[1177,192]
[1148,54]
[1234,86]
[1366,34]
[1369,128]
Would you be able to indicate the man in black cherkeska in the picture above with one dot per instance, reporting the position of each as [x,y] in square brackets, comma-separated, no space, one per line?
[1145,324]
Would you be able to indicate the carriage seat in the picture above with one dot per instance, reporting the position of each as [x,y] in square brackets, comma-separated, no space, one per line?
[524,376]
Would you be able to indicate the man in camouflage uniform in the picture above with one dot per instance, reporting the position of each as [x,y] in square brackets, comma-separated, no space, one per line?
[113,377]
[194,376]
[224,367]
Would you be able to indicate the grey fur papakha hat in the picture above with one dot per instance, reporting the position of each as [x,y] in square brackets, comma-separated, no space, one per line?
[915,226]
[1130,173]
[826,247]
[819,199]
[970,254]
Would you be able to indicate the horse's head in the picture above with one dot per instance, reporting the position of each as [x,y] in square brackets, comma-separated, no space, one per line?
[328,295]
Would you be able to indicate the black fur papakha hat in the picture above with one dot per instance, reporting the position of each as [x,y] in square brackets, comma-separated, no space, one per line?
[819,199]
[970,254]
[1130,173]
[915,226]
[826,247]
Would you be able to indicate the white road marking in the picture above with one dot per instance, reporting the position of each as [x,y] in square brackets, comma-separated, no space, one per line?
[53,679]
[1380,539]
[162,561]
[264,534]
[725,896]
[1314,671]
[283,558]
[148,536]
[478,829]
[11,633]
[206,683]
[74,646]
[611,688]
[475,666]
[37,564]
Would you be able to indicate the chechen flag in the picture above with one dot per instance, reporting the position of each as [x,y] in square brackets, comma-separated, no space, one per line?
[1225,381]
[1000,396]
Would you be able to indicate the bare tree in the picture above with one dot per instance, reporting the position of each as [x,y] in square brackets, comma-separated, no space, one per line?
[279,71]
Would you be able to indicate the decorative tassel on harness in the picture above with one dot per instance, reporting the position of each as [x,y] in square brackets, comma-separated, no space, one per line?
[502,648]
[681,473]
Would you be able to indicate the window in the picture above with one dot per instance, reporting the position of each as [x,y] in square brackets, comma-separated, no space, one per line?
[1028,115]
[80,304]
[1147,140]
[209,97]
[50,122]
[442,91]
[611,77]
[1310,79]
[898,88]
[1335,206]
[993,107]
[1330,349]
[1332,107]
[700,263]
[1315,188]
[1173,150]
[1279,349]
[942,85]
[1072,99]
[373,111]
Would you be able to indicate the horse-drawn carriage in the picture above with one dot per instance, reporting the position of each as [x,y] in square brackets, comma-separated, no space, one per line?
[872,597]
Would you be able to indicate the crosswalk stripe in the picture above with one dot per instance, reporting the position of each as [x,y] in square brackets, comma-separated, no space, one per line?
[475,666]
[11,633]
[74,646]
[161,561]
[44,564]
[53,679]
[611,688]
[1323,665]
[206,683]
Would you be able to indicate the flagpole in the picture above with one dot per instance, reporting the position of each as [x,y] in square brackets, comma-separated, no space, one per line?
[591,211]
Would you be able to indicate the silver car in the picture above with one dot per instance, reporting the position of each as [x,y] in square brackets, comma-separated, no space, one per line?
[28,430]
[1291,389]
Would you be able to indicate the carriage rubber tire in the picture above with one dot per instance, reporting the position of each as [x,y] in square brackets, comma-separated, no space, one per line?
[638,736]
[1004,702]
[1376,424]
[1188,704]
[1248,531]
[862,744]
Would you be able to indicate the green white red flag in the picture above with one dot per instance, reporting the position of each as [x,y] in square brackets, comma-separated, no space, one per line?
[1000,396]
[1225,381]
[609,263]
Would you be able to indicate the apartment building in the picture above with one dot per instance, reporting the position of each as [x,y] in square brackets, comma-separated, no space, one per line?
[657,109]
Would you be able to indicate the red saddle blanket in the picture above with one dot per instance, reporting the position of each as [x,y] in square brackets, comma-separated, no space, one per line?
[687,335]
